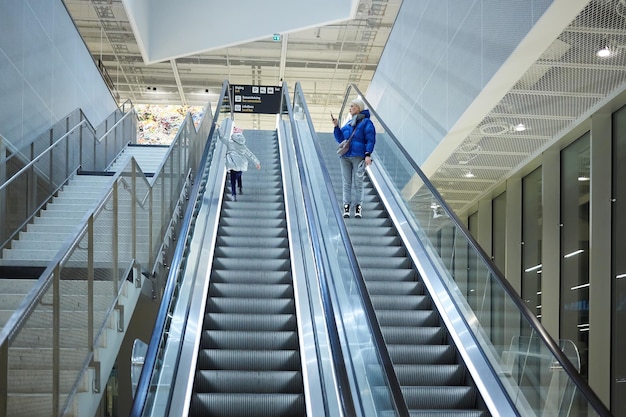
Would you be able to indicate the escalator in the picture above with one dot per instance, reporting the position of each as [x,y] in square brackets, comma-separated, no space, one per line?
[249,358]
[432,378]
[395,335]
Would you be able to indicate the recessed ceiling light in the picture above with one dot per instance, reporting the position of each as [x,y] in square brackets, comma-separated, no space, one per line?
[469,174]
[520,127]
[604,52]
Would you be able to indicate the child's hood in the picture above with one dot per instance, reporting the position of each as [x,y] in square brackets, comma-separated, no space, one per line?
[238,138]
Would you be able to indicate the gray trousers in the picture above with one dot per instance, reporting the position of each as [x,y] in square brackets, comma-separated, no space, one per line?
[352,172]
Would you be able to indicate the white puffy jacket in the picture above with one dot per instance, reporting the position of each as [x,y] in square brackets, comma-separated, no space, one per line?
[238,154]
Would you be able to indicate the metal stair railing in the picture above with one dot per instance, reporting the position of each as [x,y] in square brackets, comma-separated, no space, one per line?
[45,165]
[469,281]
[122,235]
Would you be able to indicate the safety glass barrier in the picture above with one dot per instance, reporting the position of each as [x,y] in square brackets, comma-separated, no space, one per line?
[373,390]
[540,377]
[158,372]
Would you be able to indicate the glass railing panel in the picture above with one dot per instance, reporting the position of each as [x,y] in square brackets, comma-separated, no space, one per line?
[495,314]
[159,365]
[355,330]
[167,350]
[122,221]
[24,361]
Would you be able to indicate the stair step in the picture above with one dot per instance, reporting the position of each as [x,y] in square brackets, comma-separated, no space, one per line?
[32,405]
[42,318]
[71,359]
[40,382]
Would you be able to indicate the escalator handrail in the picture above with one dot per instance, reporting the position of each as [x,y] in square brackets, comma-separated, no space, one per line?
[381,347]
[150,359]
[347,400]
[549,342]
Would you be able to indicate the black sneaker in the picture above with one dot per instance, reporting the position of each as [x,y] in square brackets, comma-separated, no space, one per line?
[357,212]
[346,210]
[240,191]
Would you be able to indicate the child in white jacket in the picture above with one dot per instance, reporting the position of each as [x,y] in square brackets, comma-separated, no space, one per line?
[237,157]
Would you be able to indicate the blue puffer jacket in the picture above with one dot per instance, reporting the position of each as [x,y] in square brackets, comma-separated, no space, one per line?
[364,138]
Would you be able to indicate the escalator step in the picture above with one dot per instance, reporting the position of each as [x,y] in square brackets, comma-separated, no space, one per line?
[251,360]
[375,251]
[408,302]
[265,277]
[422,354]
[430,374]
[257,232]
[253,340]
[249,251]
[407,318]
[247,405]
[414,335]
[240,322]
[451,397]
[385,263]
[248,381]
[249,290]
[240,241]
[381,274]
[252,264]
[397,288]
[250,305]
[253,222]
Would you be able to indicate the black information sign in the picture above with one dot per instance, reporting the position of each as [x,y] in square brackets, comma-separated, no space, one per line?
[256,99]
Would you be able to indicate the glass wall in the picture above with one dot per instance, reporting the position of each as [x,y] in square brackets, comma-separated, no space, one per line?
[574,261]
[498,255]
[618,267]
[532,225]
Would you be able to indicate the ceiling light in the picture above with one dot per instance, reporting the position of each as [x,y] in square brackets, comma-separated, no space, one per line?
[469,174]
[583,178]
[576,252]
[520,127]
[604,52]
[578,287]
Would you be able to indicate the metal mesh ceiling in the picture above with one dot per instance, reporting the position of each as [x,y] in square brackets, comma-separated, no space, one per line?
[562,86]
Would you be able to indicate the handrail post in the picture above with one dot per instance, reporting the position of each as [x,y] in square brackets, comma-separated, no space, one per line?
[4,379]
[134,207]
[30,178]
[3,193]
[56,339]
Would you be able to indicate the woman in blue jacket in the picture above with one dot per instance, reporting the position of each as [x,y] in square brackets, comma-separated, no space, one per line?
[358,157]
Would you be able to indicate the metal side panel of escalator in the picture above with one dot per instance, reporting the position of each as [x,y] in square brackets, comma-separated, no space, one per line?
[249,358]
[433,379]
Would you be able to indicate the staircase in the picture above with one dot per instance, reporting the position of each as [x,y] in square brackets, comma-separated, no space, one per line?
[433,381]
[249,359]
[31,354]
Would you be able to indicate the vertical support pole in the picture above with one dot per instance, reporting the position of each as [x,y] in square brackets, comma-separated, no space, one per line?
[4,378]
[4,201]
[56,339]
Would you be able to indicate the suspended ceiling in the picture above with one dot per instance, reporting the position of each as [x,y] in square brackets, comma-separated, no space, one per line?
[560,89]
